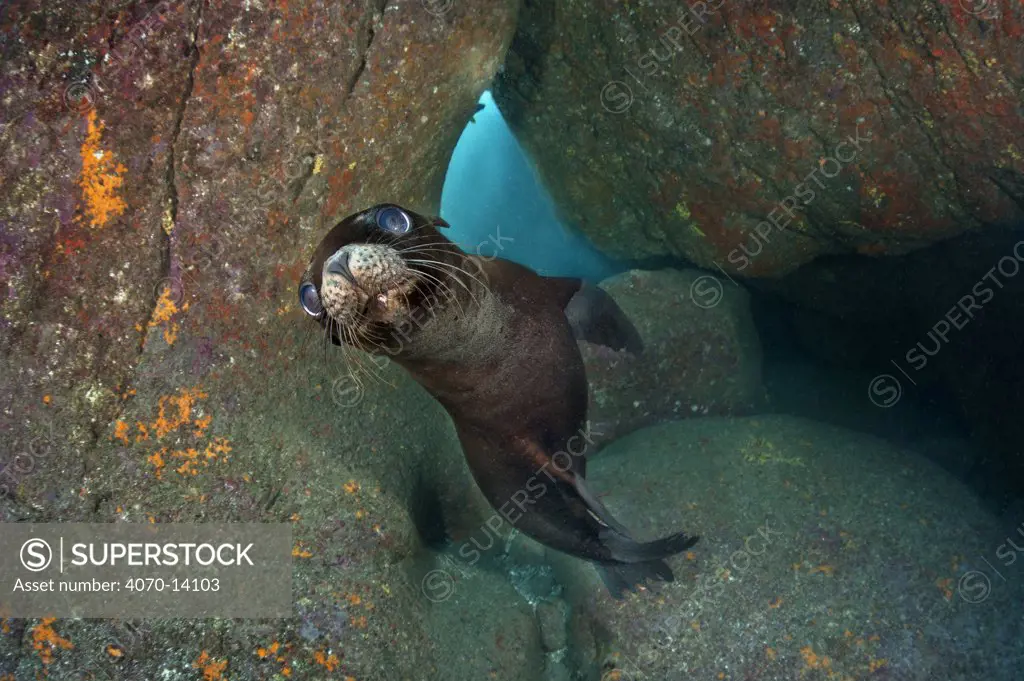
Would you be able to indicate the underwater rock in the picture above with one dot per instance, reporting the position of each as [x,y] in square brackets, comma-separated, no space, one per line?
[758,136]
[165,169]
[551,616]
[485,615]
[823,553]
[701,353]
[937,327]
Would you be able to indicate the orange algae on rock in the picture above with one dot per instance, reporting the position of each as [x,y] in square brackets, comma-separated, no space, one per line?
[175,415]
[813,661]
[101,178]
[192,458]
[46,641]
[264,652]
[330,662]
[270,653]
[180,413]
[164,312]
[121,431]
[213,670]
[158,462]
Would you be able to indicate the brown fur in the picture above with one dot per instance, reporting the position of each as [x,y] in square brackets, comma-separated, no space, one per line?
[491,342]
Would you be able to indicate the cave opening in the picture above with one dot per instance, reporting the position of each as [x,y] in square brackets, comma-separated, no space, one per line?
[822,360]
[498,206]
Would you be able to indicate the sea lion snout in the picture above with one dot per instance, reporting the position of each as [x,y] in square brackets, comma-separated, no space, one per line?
[376,270]
[365,280]
[338,264]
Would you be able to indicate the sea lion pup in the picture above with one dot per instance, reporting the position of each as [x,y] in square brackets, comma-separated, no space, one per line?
[495,344]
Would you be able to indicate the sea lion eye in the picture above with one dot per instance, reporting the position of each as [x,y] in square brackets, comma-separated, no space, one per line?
[310,300]
[394,220]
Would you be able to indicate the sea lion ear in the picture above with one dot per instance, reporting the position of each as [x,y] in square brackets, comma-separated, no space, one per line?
[596,318]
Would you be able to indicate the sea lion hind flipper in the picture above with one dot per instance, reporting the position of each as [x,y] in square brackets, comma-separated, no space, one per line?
[622,577]
[638,562]
[596,318]
[598,509]
[626,550]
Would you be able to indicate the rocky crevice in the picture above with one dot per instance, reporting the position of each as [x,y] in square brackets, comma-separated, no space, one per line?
[371,34]
[170,216]
[172,167]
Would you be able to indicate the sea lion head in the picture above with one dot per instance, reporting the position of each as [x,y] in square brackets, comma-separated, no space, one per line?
[373,272]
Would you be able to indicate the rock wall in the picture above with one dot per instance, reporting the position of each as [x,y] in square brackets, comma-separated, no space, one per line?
[757,136]
[165,170]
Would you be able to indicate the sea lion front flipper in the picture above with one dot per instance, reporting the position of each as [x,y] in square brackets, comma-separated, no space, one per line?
[596,318]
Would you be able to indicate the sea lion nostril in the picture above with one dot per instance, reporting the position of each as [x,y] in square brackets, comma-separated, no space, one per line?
[338,264]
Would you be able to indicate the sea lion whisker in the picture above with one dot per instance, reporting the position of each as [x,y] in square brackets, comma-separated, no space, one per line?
[428,251]
[326,340]
[332,325]
[349,338]
[444,288]
[339,325]
[304,343]
[374,375]
[453,293]
[454,268]
[457,268]
[447,292]
[429,248]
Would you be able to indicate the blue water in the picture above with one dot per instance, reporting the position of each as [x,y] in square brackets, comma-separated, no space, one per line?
[492,196]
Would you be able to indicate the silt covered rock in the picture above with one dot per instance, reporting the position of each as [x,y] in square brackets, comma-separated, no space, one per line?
[701,353]
[823,554]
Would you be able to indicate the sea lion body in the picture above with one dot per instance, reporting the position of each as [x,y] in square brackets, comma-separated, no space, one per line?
[499,351]
[517,401]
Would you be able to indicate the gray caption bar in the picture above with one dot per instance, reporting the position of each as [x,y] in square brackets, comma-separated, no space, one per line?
[129,570]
